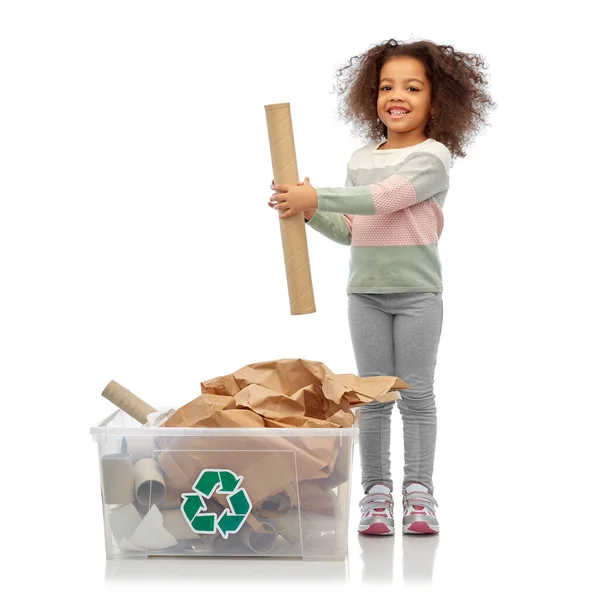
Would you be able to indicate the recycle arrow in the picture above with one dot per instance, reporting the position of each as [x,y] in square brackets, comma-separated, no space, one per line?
[192,507]
[231,521]
[221,481]
[207,483]
[228,481]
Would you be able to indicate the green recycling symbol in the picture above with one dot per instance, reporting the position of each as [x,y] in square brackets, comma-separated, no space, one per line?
[220,481]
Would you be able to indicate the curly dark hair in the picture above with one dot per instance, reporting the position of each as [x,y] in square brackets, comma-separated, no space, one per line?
[458,92]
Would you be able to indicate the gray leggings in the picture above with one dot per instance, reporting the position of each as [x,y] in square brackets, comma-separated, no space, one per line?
[398,334]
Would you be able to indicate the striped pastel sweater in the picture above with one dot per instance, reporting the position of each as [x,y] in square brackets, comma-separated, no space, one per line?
[390,213]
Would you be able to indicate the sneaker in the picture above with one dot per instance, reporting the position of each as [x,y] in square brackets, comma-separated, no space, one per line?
[377,512]
[419,511]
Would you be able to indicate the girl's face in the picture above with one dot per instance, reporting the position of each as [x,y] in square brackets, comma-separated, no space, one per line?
[404,85]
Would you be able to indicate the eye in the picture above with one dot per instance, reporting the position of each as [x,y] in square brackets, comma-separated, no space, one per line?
[410,88]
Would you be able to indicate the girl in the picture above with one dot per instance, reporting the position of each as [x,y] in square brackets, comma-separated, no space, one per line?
[424,101]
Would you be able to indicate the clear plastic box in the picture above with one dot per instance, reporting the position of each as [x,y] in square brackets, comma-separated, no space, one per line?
[169,491]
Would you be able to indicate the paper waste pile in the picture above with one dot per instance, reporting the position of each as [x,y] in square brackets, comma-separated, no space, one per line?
[221,491]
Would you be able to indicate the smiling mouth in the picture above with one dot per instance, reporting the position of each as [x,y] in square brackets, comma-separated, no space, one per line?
[397,115]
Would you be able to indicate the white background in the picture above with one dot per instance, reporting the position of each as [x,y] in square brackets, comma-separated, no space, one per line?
[137,245]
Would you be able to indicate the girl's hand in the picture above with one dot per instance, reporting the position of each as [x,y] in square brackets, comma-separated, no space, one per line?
[293,199]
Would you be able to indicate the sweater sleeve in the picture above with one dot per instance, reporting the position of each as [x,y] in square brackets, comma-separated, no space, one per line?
[421,176]
[335,226]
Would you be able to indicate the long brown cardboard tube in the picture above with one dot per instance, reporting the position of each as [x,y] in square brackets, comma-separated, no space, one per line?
[293,230]
[128,402]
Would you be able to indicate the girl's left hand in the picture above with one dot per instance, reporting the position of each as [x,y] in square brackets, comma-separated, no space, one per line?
[293,199]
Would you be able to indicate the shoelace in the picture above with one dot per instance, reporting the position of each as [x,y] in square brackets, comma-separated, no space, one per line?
[372,501]
[420,499]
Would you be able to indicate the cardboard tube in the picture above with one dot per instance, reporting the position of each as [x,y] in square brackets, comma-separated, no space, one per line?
[259,543]
[149,483]
[293,230]
[139,446]
[117,478]
[128,402]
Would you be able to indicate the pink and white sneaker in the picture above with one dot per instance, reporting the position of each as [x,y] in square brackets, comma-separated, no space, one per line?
[377,512]
[419,511]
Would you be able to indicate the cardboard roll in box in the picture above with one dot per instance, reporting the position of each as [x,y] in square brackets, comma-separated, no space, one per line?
[258,465]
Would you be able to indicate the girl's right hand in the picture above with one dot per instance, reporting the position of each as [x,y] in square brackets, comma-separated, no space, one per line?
[308,214]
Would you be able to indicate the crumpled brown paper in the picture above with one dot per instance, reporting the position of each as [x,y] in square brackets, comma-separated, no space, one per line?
[284,393]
